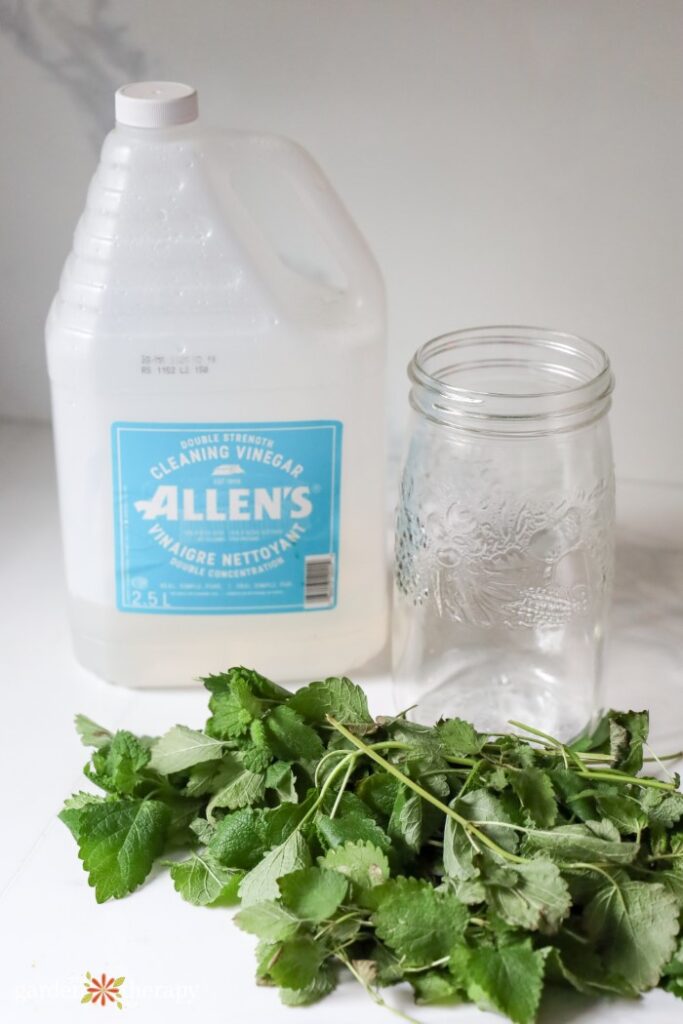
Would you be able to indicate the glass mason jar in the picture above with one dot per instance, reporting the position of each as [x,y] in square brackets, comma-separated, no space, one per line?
[505,531]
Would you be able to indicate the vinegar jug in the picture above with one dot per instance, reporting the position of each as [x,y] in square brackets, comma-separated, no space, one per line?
[216,353]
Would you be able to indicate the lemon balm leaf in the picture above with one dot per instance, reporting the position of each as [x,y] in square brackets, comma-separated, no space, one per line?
[420,924]
[261,882]
[336,696]
[268,920]
[289,738]
[118,843]
[182,748]
[312,894]
[363,863]
[201,880]
[297,963]
[635,926]
[510,979]
[92,734]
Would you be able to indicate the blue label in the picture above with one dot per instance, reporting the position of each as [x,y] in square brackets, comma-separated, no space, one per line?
[226,518]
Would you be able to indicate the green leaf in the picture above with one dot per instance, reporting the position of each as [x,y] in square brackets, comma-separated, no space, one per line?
[349,803]
[363,863]
[673,883]
[634,926]
[239,698]
[580,843]
[538,899]
[242,838]
[459,738]
[674,986]
[181,748]
[412,820]
[203,830]
[468,890]
[247,680]
[201,880]
[255,757]
[289,738]
[379,791]
[628,731]
[118,764]
[92,734]
[242,790]
[210,777]
[280,822]
[458,965]
[72,811]
[594,737]
[338,697]
[536,795]
[280,777]
[509,979]
[118,843]
[297,962]
[604,829]
[312,894]
[239,839]
[623,811]
[268,920]
[121,761]
[573,961]
[482,806]
[350,828]
[229,719]
[237,701]
[662,809]
[261,882]
[435,988]
[458,852]
[673,973]
[423,760]
[572,791]
[321,986]
[266,951]
[417,922]
[183,811]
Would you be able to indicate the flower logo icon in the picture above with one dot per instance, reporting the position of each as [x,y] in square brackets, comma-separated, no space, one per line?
[103,990]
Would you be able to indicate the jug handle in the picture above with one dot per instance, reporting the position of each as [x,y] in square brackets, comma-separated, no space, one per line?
[364,279]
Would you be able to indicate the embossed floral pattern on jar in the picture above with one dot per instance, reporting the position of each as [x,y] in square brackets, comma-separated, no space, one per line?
[504,532]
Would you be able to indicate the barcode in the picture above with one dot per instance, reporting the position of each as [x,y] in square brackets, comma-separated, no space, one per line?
[318,580]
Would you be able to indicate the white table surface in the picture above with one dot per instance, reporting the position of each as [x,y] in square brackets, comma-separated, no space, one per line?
[179,961]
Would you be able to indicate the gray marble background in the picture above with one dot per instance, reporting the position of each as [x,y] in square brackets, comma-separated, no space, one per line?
[508,162]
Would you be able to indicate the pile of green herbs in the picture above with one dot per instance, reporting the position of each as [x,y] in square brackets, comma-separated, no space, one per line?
[475,867]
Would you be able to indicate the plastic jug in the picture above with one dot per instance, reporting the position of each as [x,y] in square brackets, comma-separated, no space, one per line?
[216,352]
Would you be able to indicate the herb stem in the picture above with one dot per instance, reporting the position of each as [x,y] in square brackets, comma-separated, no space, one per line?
[591,867]
[345,780]
[351,756]
[666,757]
[469,828]
[550,740]
[337,920]
[373,993]
[428,967]
[621,777]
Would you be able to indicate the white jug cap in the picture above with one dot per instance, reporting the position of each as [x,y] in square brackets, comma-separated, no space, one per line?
[156,104]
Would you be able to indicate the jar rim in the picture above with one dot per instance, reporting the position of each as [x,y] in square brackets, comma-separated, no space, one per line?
[580,375]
